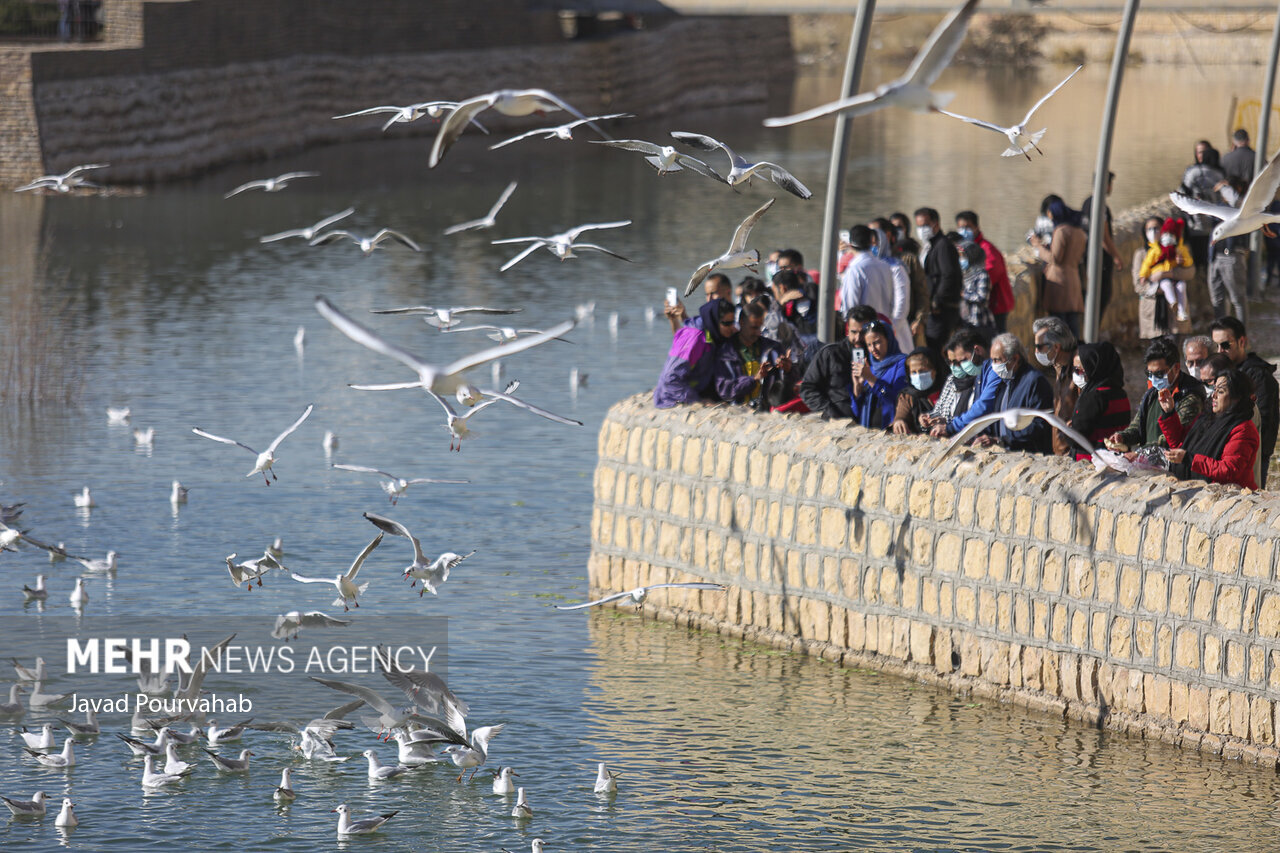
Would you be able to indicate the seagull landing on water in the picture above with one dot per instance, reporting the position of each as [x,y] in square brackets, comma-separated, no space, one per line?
[910,91]
[66,182]
[740,170]
[640,593]
[267,457]
[489,220]
[347,826]
[272,185]
[444,318]
[366,244]
[737,255]
[1014,420]
[663,158]
[563,131]
[309,232]
[345,583]
[251,570]
[1252,213]
[431,572]
[394,486]
[561,245]
[511,102]
[1018,132]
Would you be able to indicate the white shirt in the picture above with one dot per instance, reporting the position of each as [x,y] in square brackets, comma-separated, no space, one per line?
[867,281]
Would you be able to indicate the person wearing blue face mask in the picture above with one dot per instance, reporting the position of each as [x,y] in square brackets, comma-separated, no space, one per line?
[1163,371]
[877,380]
[1001,297]
[972,377]
[917,399]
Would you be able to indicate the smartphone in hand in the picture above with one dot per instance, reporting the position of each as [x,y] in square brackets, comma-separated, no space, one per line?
[673,296]
[859,356]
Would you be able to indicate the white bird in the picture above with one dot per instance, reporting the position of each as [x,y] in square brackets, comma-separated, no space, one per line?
[411,112]
[315,745]
[14,707]
[108,564]
[79,595]
[289,624]
[67,817]
[346,583]
[511,102]
[276,548]
[329,443]
[459,425]
[640,593]
[33,807]
[178,493]
[394,486]
[536,846]
[174,765]
[63,760]
[663,158]
[141,747]
[144,437]
[443,379]
[118,415]
[563,131]
[1016,133]
[1252,213]
[366,244]
[89,728]
[272,185]
[910,91]
[42,740]
[740,170]
[231,765]
[379,771]
[561,245]
[84,500]
[300,341]
[502,781]
[309,232]
[737,255]
[1014,420]
[477,753]
[444,318]
[39,699]
[65,182]
[284,792]
[501,334]
[522,808]
[431,572]
[606,780]
[267,457]
[40,671]
[177,738]
[152,779]
[489,219]
[251,570]
[415,753]
[215,735]
[437,573]
[347,826]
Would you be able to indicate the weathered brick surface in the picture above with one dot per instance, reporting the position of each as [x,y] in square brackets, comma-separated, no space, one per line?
[1035,580]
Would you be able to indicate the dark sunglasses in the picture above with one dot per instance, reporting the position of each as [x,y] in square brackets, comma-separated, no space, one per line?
[1225,346]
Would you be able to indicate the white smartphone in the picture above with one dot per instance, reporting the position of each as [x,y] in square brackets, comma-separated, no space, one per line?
[844,236]
[859,355]
[673,296]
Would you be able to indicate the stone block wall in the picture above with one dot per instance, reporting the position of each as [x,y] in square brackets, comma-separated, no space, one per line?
[1142,604]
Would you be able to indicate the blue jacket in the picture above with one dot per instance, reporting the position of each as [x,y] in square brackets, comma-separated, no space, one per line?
[982,402]
[1027,389]
[884,393]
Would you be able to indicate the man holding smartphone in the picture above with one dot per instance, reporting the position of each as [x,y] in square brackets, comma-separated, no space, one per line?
[826,384]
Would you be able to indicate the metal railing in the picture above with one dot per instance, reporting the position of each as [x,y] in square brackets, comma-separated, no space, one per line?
[50,20]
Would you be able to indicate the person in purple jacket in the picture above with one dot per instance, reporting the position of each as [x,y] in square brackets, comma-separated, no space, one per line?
[687,376]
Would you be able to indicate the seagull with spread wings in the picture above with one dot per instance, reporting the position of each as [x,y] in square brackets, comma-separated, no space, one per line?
[289,624]
[563,131]
[741,171]
[366,244]
[561,245]
[272,185]
[1252,213]
[394,486]
[489,219]
[1014,420]
[737,255]
[412,112]
[1018,132]
[66,182]
[266,458]
[345,583]
[308,233]
[511,102]
[444,318]
[910,91]
[663,158]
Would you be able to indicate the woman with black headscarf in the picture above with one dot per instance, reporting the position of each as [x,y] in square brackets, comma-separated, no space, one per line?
[926,380]
[1102,408]
[1219,448]
[1063,296]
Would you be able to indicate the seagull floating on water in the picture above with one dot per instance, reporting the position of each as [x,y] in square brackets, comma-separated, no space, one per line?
[152,779]
[561,245]
[59,760]
[366,244]
[663,158]
[522,809]
[606,781]
[640,593]
[88,728]
[178,493]
[41,740]
[40,671]
[215,735]
[1015,420]
[39,699]
[67,817]
[394,486]
[33,807]
[272,185]
[1016,133]
[1252,213]
[379,771]
[37,594]
[487,221]
[563,131]
[144,437]
[346,583]
[347,826]
[737,255]
[105,565]
[740,170]
[309,232]
[231,765]
[267,457]
[118,415]
[14,708]
[329,443]
[511,102]
[502,781]
[284,792]
[84,500]
[79,595]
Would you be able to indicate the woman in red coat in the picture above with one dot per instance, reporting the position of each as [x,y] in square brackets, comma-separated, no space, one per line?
[1221,447]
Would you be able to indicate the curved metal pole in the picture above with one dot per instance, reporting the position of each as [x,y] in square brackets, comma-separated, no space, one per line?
[827,284]
[1260,151]
[1098,216]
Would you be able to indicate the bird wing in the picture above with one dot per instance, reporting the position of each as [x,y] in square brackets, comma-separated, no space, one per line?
[191,690]
[419,480]
[630,145]
[1203,208]
[443,402]
[852,106]
[597,248]
[699,274]
[452,125]
[481,328]
[970,431]
[480,737]
[572,233]
[700,167]
[564,105]
[300,579]
[941,47]
[590,119]
[509,348]
[359,561]
[329,220]
[395,528]
[782,178]
[201,432]
[524,135]
[469,225]
[388,386]
[688,585]
[1052,92]
[387,233]
[271,238]
[1263,189]
[480,309]
[86,167]
[705,143]
[739,242]
[502,199]
[317,619]
[378,703]
[244,187]
[1065,428]
[271,448]
[289,176]
[604,600]
[524,253]
[408,309]
[979,122]
[330,236]
[370,111]
[363,469]
[367,338]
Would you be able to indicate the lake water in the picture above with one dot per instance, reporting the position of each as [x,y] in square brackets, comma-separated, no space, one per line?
[167,303]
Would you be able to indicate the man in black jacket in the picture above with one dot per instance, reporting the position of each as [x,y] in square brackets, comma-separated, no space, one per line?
[1229,338]
[942,271]
[825,388]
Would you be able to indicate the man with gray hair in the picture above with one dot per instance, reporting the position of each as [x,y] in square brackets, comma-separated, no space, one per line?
[1195,355]
[1056,350]
[1023,388]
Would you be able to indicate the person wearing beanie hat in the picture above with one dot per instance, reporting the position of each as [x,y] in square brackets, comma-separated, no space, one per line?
[1167,254]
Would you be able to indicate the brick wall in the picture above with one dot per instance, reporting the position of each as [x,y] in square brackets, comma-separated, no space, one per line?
[1143,604]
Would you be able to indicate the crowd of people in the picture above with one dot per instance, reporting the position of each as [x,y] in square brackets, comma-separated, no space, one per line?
[926,348]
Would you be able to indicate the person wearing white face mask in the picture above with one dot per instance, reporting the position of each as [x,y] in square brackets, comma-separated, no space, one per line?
[945,280]
[1155,316]
[1166,256]
[1021,387]
[1196,352]
[1163,372]
[1103,406]
[1055,348]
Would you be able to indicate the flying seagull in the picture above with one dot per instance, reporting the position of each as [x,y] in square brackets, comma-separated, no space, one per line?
[1014,419]
[640,593]
[737,255]
[512,102]
[345,583]
[910,91]
[489,219]
[561,245]
[412,112]
[1018,132]
[267,457]
[65,182]
[311,232]
[1252,213]
[366,244]
[289,624]
[444,318]
[740,170]
[394,486]
[501,333]
[272,185]
[664,158]
[563,131]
